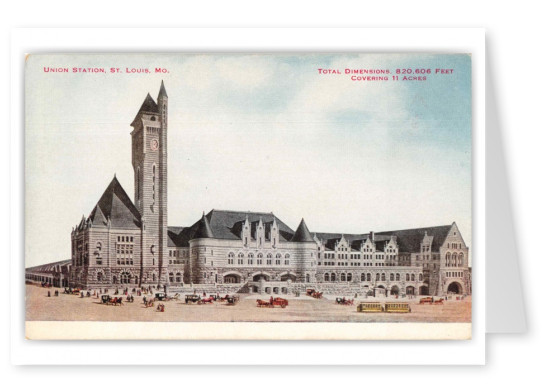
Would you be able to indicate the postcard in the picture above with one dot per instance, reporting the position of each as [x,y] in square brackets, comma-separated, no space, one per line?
[248,196]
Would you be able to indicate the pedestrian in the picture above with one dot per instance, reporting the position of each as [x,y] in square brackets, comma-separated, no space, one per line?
[49,294]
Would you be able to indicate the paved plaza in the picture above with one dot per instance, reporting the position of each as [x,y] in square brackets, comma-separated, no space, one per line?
[65,307]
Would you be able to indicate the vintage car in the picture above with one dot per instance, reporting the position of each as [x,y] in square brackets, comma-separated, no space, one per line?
[192,298]
[105,299]
[370,307]
[397,307]
[160,296]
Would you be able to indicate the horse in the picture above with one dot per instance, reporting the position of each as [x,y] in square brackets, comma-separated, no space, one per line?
[262,303]
[209,300]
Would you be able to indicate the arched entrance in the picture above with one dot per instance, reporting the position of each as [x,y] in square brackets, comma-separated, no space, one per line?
[394,290]
[455,288]
[410,290]
[289,277]
[424,290]
[232,279]
[261,276]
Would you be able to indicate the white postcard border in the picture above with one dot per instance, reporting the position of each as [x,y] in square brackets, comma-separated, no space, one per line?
[246,40]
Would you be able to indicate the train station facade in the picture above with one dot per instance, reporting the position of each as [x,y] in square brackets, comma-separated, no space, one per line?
[125,242]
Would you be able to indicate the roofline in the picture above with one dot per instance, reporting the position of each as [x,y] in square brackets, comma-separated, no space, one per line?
[240,211]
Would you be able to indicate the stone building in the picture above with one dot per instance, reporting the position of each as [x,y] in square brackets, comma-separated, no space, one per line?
[128,243]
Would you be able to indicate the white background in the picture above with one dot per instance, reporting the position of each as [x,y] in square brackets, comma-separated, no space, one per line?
[517,48]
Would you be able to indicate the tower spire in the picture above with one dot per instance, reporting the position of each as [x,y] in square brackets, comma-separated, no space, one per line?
[162,91]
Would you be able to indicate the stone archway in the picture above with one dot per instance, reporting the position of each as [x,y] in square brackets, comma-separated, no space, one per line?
[394,291]
[261,276]
[232,278]
[410,290]
[288,277]
[455,287]
[424,290]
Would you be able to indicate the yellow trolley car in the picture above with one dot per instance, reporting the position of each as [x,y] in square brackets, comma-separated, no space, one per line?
[397,307]
[370,307]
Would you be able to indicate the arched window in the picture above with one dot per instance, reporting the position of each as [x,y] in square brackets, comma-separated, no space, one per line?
[343,277]
[269,259]
[287,258]
[100,277]
[125,278]
[412,277]
[460,259]
[448,258]
[407,276]
[420,277]
[240,258]
[349,277]
[362,277]
[377,277]
[333,277]
[391,276]
[397,276]
[178,277]
[368,277]
[326,277]
[171,277]
[383,277]
[230,258]
[278,259]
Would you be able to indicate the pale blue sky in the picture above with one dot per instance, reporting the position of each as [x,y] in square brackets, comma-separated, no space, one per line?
[254,132]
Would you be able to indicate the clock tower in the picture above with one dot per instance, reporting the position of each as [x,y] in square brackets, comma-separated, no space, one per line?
[149,159]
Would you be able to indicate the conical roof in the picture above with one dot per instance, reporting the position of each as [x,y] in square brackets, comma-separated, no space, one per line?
[162,91]
[115,205]
[149,105]
[203,230]
[302,234]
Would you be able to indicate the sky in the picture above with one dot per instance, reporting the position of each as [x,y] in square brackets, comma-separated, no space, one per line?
[253,132]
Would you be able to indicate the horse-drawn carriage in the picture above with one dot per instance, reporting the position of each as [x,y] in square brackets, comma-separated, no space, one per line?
[229,300]
[426,300]
[278,301]
[160,296]
[106,299]
[192,299]
[313,293]
[439,301]
[207,300]
[344,301]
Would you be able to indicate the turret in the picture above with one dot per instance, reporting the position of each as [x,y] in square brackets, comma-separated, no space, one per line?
[302,234]
[204,230]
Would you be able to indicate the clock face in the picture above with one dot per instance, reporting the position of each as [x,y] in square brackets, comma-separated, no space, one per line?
[154,144]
